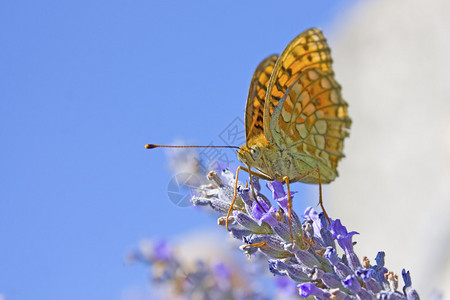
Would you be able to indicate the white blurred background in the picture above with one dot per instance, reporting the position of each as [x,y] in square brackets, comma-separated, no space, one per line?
[392,59]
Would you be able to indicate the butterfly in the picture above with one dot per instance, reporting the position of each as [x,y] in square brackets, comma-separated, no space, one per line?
[295,118]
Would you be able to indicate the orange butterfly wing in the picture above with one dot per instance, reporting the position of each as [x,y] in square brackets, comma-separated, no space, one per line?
[308,50]
[254,110]
[304,115]
[311,122]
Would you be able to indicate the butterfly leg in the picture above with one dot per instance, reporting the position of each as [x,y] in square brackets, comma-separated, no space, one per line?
[262,176]
[320,198]
[286,179]
[255,245]
[320,189]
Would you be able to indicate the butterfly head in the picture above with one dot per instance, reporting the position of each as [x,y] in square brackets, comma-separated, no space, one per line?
[250,155]
[253,154]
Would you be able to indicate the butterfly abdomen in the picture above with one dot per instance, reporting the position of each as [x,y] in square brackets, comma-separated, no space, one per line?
[280,162]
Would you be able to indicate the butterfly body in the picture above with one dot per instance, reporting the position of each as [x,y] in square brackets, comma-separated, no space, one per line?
[296,119]
[275,163]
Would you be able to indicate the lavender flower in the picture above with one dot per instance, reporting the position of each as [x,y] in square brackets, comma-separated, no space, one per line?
[311,259]
[181,278]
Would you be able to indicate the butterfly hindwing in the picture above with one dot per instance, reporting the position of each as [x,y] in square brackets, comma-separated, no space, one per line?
[311,121]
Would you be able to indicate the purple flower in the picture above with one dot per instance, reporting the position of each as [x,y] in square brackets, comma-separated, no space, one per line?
[304,257]
[341,269]
[344,239]
[278,193]
[380,270]
[365,274]
[411,293]
[330,254]
[310,254]
[352,284]
[295,272]
[274,269]
[221,270]
[162,250]
[265,215]
[309,289]
[312,215]
[245,195]
[406,278]
[320,225]
[249,223]
[285,285]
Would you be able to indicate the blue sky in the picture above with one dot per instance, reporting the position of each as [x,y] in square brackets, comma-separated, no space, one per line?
[84,85]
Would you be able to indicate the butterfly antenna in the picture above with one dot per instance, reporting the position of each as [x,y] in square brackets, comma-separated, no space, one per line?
[152,146]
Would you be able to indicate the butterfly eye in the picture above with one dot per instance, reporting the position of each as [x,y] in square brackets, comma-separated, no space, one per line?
[255,152]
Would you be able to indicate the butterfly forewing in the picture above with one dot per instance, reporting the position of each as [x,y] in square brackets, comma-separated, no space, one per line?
[254,110]
[307,50]
[311,121]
